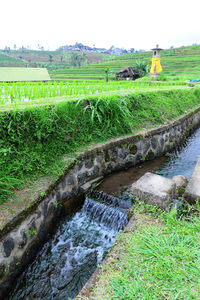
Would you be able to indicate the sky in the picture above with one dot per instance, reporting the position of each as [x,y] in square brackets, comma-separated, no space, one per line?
[126,24]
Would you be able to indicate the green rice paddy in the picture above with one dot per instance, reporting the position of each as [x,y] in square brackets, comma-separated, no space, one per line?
[23,74]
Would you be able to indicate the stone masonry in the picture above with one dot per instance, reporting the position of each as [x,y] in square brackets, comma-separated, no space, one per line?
[21,237]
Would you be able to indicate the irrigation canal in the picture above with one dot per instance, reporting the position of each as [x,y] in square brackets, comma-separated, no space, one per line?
[70,257]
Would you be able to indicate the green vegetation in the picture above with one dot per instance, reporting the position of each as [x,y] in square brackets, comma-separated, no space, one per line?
[6,60]
[159,259]
[178,64]
[35,138]
[52,60]
[24,91]
[23,74]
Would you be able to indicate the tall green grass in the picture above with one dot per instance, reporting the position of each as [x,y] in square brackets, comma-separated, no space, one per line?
[35,139]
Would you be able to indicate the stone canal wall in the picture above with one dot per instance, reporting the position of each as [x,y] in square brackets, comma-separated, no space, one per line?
[26,232]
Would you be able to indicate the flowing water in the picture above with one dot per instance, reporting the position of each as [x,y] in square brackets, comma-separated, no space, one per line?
[183,160]
[67,261]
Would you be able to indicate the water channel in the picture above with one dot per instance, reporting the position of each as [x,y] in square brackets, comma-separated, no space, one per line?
[69,258]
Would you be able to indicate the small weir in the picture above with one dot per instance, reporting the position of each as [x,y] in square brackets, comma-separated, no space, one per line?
[67,261]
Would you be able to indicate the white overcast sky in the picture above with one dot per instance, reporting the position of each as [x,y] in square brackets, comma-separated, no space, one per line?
[137,24]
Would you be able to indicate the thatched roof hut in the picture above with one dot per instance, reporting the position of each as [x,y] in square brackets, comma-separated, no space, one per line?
[128,73]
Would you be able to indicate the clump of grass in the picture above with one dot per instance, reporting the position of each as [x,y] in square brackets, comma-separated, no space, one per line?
[158,260]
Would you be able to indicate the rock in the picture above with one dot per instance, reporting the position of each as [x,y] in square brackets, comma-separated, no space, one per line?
[8,246]
[2,270]
[154,189]
[180,181]
[192,192]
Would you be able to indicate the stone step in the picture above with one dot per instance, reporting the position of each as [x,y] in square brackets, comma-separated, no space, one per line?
[154,189]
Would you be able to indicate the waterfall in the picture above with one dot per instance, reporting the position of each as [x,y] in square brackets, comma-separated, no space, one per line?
[113,217]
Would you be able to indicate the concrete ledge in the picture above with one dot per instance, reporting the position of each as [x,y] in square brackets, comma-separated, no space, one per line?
[192,192]
[154,189]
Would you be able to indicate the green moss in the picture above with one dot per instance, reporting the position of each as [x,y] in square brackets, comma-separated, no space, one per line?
[133,149]
[150,155]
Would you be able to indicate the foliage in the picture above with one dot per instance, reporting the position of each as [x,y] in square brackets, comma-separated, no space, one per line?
[142,67]
[24,91]
[77,59]
[155,261]
[33,140]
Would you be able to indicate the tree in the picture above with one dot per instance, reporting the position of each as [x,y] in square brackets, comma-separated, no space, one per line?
[142,68]
[40,47]
[77,59]
[7,49]
[50,57]
[107,71]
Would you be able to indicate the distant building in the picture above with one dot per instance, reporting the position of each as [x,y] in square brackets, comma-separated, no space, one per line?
[127,74]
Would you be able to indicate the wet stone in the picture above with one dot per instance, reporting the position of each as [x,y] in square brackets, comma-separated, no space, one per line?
[89,163]
[113,153]
[51,208]
[139,158]
[8,246]
[23,240]
[162,141]
[58,196]
[154,142]
[63,183]
[45,206]
[122,154]
[133,149]
[95,171]
[71,180]
[65,195]
[81,178]
[41,233]
[80,165]
[39,214]
[32,225]
[2,270]
[146,147]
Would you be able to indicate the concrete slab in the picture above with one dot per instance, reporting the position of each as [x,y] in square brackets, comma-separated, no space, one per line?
[192,192]
[154,189]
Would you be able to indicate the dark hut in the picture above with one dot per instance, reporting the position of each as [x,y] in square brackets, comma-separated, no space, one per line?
[128,73]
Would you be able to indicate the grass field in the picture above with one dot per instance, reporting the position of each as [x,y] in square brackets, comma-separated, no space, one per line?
[50,59]
[178,64]
[8,61]
[23,74]
[26,91]
[158,259]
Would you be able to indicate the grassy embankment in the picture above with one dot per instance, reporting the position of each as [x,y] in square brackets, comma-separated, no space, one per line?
[158,259]
[35,137]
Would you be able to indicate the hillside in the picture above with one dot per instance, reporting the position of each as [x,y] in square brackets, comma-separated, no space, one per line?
[180,63]
[49,59]
[7,60]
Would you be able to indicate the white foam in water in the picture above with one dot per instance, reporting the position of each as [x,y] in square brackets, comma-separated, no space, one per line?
[69,259]
[112,217]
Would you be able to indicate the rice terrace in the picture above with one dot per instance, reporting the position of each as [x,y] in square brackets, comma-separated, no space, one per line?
[99,173]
